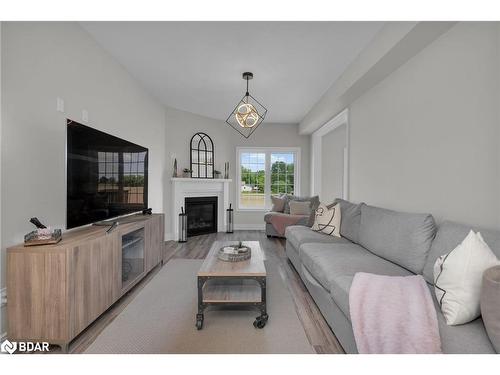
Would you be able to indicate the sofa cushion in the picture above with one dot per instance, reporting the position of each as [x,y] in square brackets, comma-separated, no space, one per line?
[267,217]
[403,238]
[448,236]
[464,338]
[334,266]
[299,234]
[351,219]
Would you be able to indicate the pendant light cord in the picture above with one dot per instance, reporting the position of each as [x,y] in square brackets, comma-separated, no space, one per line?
[247,87]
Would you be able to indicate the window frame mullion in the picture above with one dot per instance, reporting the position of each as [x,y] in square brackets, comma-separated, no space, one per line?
[267,180]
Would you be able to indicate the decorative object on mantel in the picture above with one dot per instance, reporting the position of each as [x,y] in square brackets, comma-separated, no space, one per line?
[202,156]
[43,235]
[226,170]
[248,113]
[187,173]
[230,212]
[217,174]
[234,253]
[175,168]
[183,226]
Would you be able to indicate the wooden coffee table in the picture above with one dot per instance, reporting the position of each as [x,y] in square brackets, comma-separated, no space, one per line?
[233,283]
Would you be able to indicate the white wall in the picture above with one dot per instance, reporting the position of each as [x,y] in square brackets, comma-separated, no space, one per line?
[391,47]
[43,61]
[181,126]
[332,166]
[427,138]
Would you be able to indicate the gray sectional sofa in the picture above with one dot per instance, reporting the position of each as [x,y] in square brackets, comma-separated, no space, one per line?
[385,242]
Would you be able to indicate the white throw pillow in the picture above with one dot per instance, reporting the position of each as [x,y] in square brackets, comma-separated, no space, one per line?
[327,220]
[458,276]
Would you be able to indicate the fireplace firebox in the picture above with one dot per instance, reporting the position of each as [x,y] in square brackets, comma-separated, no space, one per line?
[201,215]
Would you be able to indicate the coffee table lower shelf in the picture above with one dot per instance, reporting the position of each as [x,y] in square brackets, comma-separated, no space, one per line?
[232,291]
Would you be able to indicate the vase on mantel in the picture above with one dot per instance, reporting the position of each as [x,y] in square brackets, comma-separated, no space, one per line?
[175,168]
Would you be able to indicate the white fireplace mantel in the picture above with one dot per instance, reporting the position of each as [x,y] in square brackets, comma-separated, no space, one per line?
[199,187]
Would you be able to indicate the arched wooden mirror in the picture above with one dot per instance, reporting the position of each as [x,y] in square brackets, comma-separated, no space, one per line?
[202,156]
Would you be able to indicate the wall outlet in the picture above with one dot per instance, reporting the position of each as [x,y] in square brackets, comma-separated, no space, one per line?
[85,116]
[60,105]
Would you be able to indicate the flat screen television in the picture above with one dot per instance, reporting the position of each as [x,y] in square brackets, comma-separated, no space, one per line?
[107,176]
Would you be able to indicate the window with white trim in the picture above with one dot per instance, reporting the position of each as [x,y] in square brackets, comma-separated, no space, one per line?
[262,172]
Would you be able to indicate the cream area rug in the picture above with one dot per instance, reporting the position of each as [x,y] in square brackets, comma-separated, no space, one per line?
[161,319]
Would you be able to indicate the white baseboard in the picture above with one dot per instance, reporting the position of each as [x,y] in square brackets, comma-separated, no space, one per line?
[249,226]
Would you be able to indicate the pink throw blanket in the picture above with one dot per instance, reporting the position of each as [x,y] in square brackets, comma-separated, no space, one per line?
[393,314]
[280,222]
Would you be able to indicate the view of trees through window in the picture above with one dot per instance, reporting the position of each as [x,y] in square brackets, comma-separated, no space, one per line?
[253,179]
[282,173]
[253,184]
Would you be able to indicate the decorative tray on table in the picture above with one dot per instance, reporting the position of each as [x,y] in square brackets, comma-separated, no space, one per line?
[234,253]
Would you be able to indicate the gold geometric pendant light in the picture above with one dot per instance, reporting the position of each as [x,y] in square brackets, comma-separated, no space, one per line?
[248,113]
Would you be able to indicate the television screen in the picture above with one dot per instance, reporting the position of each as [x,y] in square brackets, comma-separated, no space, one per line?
[106,176]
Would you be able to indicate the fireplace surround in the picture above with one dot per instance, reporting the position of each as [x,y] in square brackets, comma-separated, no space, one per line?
[183,188]
[201,215]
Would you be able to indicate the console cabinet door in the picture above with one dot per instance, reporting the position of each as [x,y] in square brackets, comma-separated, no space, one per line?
[36,283]
[154,241]
[96,280]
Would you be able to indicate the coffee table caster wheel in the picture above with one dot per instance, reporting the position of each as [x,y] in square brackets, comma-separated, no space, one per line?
[260,321]
[199,322]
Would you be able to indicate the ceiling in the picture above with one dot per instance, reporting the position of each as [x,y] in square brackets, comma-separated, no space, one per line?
[197,66]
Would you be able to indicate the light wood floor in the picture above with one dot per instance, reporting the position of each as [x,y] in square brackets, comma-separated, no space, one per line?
[317,330]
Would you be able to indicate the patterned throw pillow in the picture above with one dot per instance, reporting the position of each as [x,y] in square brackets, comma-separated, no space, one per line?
[327,220]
